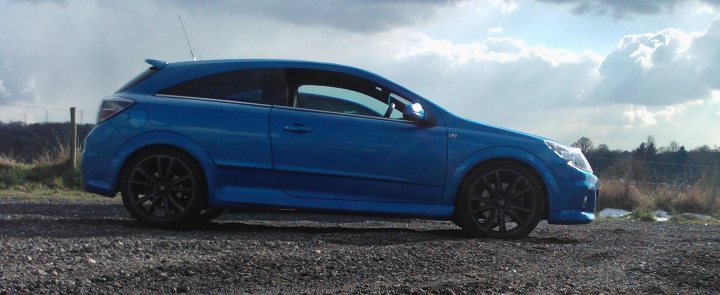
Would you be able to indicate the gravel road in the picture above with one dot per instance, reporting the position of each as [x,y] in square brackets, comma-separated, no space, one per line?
[94,247]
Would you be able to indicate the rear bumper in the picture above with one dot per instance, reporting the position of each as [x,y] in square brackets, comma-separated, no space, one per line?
[575,197]
[100,146]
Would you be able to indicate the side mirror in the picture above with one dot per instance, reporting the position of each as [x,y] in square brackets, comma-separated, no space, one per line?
[414,113]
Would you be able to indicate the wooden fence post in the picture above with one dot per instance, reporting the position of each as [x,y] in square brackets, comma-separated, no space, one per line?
[73,139]
[715,184]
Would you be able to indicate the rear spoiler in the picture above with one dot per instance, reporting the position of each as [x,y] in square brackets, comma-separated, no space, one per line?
[156,63]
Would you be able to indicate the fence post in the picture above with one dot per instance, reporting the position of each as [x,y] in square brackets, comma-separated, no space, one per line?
[73,139]
[715,184]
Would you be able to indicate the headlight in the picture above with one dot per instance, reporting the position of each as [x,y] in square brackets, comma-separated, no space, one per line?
[573,155]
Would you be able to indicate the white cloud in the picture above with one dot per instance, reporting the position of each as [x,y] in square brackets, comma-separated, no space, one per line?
[503,50]
[505,6]
[3,89]
[641,114]
[667,67]
[495,30]
[706,9]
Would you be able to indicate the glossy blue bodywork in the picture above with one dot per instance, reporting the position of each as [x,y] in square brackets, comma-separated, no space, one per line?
[277,155]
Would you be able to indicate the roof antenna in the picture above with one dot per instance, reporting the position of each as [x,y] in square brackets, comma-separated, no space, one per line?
[187,39]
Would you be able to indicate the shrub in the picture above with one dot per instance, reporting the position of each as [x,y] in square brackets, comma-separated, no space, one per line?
[622,194]
[642,215]
[618,194]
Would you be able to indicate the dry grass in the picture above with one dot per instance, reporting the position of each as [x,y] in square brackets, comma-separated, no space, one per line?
[49,171]
[628,195]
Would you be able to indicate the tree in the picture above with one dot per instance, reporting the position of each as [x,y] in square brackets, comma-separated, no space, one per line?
[603,147]
[647,150]
[674,146]
[651,148]
[681,155]
[641,150]
[584,143]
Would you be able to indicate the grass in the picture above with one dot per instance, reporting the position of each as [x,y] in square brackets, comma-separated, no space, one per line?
[53,195]
[622,194]
[640,215]
[47,172]
[49,178]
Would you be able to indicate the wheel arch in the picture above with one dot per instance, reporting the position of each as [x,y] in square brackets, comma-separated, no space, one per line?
[162,140]
[500,154]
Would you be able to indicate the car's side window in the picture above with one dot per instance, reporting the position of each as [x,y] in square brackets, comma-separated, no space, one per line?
[338,100]
[245,86]
[342,93]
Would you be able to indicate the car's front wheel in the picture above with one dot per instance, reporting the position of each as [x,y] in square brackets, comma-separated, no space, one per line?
[163,188]
[501,200]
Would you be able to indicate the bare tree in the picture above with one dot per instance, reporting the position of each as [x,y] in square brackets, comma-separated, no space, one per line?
[584,143]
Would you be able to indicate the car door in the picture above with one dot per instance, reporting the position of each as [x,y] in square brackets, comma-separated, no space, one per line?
[227,114]
[336,139]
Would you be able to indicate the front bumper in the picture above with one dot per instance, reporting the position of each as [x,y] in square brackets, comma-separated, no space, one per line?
[574,196]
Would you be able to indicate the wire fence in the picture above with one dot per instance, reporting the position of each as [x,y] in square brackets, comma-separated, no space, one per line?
[28,113]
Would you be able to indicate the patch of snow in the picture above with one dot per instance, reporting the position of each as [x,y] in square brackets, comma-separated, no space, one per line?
[661,215]
[613,213]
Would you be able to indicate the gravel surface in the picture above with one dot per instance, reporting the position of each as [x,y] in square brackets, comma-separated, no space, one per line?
[94,247]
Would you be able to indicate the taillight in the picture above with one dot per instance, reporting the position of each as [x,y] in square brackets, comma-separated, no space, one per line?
[111,106]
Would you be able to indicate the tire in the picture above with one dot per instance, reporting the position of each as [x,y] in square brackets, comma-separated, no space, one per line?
[512,212]
[163,188]
[209,214]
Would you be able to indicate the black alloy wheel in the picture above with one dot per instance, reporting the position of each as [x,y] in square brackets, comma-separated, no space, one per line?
[164,188]
[500,200]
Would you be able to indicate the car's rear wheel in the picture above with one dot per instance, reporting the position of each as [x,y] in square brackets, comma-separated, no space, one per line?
[500,200]
[163,188]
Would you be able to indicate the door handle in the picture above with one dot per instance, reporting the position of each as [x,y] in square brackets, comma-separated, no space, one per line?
[297,128]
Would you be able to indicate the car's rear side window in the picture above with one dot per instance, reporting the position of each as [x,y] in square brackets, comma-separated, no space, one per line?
[245,86]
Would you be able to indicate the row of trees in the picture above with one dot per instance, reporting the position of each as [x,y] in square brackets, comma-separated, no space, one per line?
[648,162]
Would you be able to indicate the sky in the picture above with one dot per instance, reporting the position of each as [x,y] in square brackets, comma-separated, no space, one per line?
[614,71]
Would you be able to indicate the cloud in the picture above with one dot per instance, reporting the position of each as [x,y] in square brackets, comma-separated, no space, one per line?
[349,15]
[655,83]
[621,9]
[505,6]
[3,89]
[641,114]
[645,86]
[497,80]
[661,68]
[502,50]
[495,30]
[62,2]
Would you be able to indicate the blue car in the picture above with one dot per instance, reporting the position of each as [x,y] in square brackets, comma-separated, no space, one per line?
[183,141]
